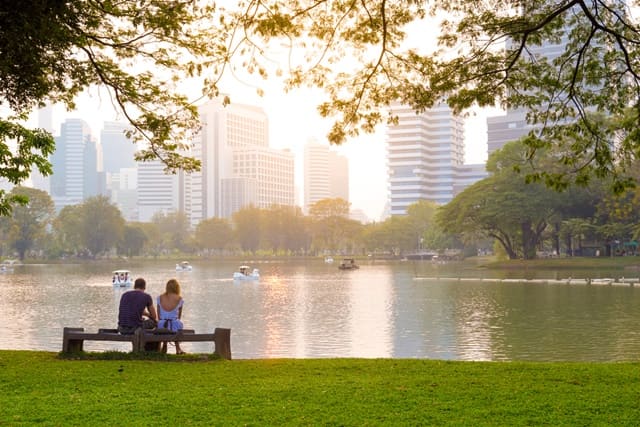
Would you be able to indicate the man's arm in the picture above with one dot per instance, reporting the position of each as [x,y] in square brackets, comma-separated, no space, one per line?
[152,312]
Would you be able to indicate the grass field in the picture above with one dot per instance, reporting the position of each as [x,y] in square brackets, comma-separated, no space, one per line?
[113,389]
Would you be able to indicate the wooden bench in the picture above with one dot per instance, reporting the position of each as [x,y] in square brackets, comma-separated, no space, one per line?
[74,338]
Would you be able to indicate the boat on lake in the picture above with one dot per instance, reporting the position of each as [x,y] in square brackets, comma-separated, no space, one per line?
[348,264]
[246,273]
[184,266]
[328,260]
[122,278]
[7,266]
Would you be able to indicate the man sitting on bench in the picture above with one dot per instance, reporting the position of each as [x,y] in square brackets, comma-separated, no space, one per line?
[136,309]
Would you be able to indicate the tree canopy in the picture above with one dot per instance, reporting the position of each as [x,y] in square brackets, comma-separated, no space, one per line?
[359,52]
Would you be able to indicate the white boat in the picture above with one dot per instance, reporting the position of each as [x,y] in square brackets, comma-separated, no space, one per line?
[7,266]
[328,260]
[245,273]
[122,278]
[184,266]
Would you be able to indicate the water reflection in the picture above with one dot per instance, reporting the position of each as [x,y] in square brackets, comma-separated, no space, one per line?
[310,310]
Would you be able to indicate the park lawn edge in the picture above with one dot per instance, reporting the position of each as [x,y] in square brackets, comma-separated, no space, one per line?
[45,389]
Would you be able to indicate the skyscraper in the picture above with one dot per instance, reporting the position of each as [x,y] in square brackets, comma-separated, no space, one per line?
[159,192]
[424,152]
[326,174]
[76,165]
[118,150]
[120,168]
[233,145]
[45,121]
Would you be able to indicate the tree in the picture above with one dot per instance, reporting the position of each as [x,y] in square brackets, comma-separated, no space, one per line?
[28,223]
[361,55]
[247,227]
[133,240]
[50,51]
[394,235]
[421,215]
[102,225]
[173,228]
[505,208]
[326,208]
[214,234]
[67,231]
[329,218]
[284,229]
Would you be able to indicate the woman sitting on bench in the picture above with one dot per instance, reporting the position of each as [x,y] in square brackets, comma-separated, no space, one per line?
[170,312]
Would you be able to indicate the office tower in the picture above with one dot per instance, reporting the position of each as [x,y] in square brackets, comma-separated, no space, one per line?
[423,153]
[118,150]
[120,168]
[45,121]
[160,192]
[123,187]
[326,174]
[76,165]
[465,175]
[233,145]
[236,194]
[272,170]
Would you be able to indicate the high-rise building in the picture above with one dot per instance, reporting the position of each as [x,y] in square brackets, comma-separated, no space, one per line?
[76,165]
[118,150]
[120,168]
[160,192]
[513,125]
[233,145]
[271,169]
[424,152]
[326,174]
[123,188]
[45,121]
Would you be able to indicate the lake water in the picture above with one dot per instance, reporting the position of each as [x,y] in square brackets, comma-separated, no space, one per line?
[313,310]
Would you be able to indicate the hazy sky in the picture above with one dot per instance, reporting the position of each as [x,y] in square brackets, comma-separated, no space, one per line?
[293,121]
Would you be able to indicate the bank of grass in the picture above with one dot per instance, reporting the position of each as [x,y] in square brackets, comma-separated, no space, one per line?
[41,388]
[627,263]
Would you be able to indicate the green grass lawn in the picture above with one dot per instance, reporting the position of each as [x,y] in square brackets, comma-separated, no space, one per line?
[622,263]
[42,388]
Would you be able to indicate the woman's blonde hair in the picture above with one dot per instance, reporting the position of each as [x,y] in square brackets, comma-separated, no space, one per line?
[173,287]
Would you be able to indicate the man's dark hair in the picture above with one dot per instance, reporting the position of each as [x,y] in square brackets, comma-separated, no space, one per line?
[140,283]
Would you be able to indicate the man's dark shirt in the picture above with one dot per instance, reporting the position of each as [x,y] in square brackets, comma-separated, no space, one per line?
[132,305]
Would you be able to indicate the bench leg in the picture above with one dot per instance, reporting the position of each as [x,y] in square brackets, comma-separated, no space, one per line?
[71,345]
[222,342]
[137,345]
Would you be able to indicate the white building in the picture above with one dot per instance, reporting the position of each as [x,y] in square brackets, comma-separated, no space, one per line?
[326,174]
[233,147]
[424,152]
[159,192]
[272,170]
[118,150]
[123,188]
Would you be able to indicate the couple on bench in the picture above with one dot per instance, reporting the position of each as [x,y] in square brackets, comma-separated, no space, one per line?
[137,311]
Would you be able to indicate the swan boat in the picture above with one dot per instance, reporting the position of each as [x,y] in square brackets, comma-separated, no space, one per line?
[184,266]
[122,278]
[245,273]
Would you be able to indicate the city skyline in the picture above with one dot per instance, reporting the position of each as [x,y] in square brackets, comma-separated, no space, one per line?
[292,122]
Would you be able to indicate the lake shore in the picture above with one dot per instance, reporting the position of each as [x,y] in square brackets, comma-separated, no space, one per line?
[41,388]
